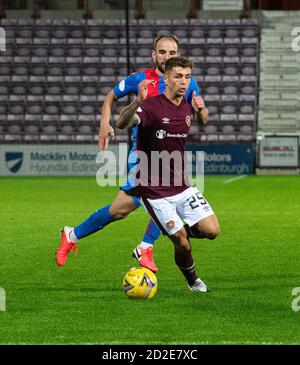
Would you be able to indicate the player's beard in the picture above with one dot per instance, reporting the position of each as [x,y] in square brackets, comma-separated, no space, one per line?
[161,68]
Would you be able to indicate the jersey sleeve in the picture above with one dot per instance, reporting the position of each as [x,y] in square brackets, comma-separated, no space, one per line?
[144,114]
[128,85]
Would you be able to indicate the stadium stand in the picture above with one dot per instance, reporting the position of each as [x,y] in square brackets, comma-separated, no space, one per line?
[279,107]
[55,74]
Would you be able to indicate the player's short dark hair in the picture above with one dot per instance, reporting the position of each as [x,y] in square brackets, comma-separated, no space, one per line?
[178,62]
[167,36]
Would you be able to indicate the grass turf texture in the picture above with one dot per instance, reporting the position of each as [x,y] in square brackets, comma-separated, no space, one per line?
[252,267]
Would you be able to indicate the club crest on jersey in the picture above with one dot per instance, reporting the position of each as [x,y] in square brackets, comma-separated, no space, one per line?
[170,224]
[188,120]
[160,134]
[122,85]
[165,120]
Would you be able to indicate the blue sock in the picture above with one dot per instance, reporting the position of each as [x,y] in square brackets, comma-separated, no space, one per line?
[94,223]
[152,233]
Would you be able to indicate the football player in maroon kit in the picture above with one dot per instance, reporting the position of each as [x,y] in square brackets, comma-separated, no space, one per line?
[164,47]
[179,210]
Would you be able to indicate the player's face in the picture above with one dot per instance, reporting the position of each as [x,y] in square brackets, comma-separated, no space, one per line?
[165,48]
[178,80]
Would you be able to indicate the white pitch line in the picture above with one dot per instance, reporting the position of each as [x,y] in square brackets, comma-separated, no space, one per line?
[228,181]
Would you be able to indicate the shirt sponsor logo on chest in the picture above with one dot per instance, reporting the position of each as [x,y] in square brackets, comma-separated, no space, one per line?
[161,134]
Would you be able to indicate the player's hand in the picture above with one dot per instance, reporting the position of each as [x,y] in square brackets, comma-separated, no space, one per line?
[143,90]
[106,131]
[197,102]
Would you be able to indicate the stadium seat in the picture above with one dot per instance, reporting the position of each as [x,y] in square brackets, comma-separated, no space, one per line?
[85,134]
[249,52]
[72,89]
[17,108]
[52,108]
[73,70]
[31,133]
[231,51]
[109,52]
[38,70]
[210,134]
[69,108]
[13,133]
[36,89]
[215,32]
[34,108]
[39,51]
[89,51]
[49,133]
[88,109]
[74,51]
[214,51]
[54,89]
[93,33]
[245,133]
[4,89]
[228,134]
[77,33]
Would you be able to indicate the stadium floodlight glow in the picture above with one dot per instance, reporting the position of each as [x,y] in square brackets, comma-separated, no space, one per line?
[2,300]
[2,40]
[296,41]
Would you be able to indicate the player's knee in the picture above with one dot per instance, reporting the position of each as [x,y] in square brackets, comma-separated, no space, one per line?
[118,213]
[212,232]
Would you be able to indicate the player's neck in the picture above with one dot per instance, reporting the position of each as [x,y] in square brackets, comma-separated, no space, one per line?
[175,99]
[159,73]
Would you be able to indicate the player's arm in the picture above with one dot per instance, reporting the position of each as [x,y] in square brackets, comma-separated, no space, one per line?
[197,103]
[127,117]
[199,107]
[106,130]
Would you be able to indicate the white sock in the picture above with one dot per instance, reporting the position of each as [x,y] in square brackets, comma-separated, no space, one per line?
[72,236]
[145,245]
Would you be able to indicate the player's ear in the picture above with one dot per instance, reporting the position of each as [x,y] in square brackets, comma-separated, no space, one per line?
[153,55]
[166,79]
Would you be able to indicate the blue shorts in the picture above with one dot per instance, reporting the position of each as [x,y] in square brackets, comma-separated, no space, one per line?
[129,185]
[129,190]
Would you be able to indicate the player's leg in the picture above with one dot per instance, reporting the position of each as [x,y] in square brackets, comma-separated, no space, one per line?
[122,205]
[144,251]
[185,261]
[119,209]
[164,213]
[208,227]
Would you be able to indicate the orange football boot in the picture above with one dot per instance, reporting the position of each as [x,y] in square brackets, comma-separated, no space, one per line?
[65,247]
[145,257]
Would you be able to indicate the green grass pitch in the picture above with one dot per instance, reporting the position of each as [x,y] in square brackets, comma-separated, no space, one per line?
[252,266]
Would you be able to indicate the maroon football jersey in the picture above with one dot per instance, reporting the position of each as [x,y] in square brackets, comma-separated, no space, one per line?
[161,136]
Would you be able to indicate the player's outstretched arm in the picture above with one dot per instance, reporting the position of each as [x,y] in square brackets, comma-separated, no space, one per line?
[199,106]
[106,131]
[128,118]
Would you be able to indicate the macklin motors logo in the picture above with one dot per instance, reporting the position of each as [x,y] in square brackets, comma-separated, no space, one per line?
[13,161]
